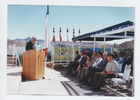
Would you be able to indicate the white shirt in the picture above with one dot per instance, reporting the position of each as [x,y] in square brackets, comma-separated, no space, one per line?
[112,66]
[98,60]
[121,60]
[34,47]
[80,58]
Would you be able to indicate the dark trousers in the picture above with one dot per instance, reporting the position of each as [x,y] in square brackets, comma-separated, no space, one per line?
[72,66]
[68,68]
[99,79]
[75,66]
[90,74]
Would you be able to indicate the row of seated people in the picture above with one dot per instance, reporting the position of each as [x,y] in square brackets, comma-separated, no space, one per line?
[125,59]
[93,69]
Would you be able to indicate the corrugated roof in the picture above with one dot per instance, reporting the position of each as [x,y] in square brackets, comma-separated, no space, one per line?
[86,36]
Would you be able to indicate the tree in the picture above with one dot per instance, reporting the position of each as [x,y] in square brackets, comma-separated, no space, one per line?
[124,48]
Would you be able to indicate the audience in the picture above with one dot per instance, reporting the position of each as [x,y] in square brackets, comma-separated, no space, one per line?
[119,59]
[97,60]
[123,55]
[93,69]
[89,64]
[132,67]
[99,68]
[82,64]
[127,60]
[75,62]
[110,71]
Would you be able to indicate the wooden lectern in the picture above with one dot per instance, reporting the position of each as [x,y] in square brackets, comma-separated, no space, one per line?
[33,64]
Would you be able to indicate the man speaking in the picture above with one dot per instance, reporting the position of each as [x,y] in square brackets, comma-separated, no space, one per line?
[31,44]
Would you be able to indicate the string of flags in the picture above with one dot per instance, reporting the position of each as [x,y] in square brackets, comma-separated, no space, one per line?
[60,37]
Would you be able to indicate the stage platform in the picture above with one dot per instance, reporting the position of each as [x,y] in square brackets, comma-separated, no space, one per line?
[56,82]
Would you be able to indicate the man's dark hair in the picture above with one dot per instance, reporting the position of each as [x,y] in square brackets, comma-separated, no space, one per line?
[77,52]
[100,53]
[89,55]
[95,53]
[128,52]
[91,52]
[85,54]
[112,54]
[121,53]
[82,52]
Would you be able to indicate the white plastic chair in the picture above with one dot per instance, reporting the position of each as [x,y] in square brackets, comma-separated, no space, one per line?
[120,67]
[121,74]
[124,79]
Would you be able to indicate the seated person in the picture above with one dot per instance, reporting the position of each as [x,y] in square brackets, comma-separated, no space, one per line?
[94,56]
[132,67]
[110,71]
[89,64]
[119,59]
[99,68]
[81,64]
[127,60]
[96,61]
[73,63]
[123,55]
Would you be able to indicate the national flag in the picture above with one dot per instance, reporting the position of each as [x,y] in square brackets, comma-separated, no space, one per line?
[47,32]
[53,35]
[67,35]
[73,35]
[60,35]
[79,34]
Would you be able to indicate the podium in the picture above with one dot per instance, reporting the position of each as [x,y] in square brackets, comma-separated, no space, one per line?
[33,64]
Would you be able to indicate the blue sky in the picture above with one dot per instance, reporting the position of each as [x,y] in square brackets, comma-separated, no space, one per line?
[29,20]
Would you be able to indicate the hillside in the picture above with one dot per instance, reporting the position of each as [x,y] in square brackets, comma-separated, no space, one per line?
[129,44]
[22,43]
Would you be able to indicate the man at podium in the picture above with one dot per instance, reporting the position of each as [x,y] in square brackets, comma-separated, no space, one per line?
[31,44]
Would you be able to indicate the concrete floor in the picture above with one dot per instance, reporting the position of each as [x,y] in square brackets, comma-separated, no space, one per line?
[55,83]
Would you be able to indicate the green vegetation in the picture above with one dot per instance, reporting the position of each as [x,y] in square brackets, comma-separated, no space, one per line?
[124,48]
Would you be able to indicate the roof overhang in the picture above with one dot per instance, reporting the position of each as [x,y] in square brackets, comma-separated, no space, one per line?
[120,31]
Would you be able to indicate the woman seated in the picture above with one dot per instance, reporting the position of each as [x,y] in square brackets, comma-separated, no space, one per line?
[88,65]
[81,65]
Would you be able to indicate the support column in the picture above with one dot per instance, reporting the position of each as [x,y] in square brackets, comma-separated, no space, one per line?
[73,52]
[94,42]
[104,44]
[125,33]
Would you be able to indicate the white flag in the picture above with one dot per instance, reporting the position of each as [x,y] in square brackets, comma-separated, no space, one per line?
[47,32]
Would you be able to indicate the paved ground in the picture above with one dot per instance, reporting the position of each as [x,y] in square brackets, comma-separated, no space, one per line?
[55,83]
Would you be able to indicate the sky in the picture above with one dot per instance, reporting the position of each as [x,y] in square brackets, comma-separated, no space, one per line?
[29,20]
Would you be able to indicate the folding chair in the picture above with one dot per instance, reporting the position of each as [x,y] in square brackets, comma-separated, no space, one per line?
[120,69]
[124,80]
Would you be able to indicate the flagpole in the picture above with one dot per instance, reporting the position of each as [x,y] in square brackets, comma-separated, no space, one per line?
[60,52]
[47,34]
[53,53]
[73,42]
[53,45]
[60,43]
[67,52]
[73,51]
[67,44]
